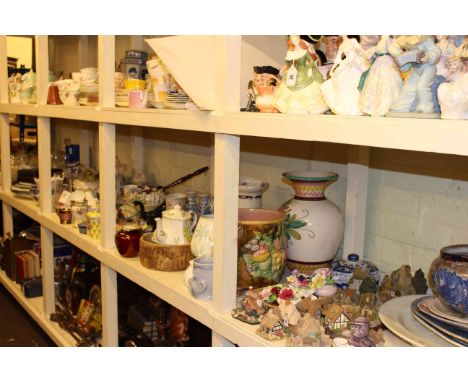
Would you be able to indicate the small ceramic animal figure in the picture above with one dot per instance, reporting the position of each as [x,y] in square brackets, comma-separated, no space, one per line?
[299,90]
[380,86]
[418,86]
[359,335]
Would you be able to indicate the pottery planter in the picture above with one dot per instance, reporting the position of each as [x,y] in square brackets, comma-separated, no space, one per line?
[261,247]
[448,277]
[314,225]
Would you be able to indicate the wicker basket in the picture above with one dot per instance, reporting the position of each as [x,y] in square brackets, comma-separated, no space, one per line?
[164,257]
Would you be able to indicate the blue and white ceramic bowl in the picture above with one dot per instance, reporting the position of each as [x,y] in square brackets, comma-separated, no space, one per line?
[448,277]
[343,269]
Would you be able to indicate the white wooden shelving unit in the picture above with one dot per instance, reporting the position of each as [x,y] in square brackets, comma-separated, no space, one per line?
[228,126]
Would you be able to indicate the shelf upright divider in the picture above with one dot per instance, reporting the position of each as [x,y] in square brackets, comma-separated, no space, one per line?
[356,201]
[226,182]
[5,137]
[106,59]
[45,187]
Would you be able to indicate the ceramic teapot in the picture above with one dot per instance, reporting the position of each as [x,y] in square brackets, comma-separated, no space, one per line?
[175,227]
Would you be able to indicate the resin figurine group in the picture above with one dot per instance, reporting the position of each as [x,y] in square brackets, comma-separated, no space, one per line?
[421,76]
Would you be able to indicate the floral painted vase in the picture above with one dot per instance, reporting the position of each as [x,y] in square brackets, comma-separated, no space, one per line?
[314,225]
[261,245]
[448,277]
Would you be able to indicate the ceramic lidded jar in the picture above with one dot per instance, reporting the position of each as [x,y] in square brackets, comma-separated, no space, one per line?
[261,247]
[343,269]
[250,192]
[448,277]
[314,225]
[127,240]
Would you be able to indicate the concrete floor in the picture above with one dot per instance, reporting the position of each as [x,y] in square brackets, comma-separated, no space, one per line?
[17,328]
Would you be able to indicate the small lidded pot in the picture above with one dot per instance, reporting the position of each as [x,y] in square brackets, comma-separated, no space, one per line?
[127,240]
[448,277]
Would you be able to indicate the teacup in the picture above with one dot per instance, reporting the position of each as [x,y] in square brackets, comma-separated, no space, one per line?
[134,84]
[137,99]
[69,92]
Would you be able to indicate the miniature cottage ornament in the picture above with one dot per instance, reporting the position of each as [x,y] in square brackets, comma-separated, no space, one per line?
[307,332]
[251,310]
[419,282]
[271,327]
[336,320]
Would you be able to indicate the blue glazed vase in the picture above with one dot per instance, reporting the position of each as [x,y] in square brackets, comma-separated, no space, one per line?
[448,277]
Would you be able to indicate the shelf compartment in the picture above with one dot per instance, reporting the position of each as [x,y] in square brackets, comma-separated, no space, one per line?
[167,285]
[34,307]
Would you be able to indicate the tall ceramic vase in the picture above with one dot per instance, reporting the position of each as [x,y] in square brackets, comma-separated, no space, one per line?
[314,225]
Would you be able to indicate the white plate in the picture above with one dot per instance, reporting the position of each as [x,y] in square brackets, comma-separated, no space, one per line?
[436,307]
[440,334]
[397,317]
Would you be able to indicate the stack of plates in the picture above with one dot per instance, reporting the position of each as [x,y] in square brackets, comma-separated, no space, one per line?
[121,97]
[176,101]
[89,93]
[451,326]
[25,190]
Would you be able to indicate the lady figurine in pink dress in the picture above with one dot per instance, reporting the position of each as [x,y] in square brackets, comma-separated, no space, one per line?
[381,85]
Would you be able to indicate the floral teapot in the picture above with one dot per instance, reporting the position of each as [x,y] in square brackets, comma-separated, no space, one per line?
[175,227]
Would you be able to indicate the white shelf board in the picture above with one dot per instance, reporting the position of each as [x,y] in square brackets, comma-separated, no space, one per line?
[160,118]
[34,307]
[169,286]
[415,134]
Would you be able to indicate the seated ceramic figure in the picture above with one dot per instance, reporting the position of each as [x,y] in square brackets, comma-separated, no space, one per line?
[340,91]
[418,86]
[299,90]
[380,86]
[453,96]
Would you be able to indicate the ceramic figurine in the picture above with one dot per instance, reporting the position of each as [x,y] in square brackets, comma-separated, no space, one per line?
[299,90]
[265,81]
[419,282]
[332,44]
[340,91]
[421,54]
[453,98]
[307,332]
[271,327]
[251,310]
[381,84]
[289,313]
[360,336]
[447,45]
